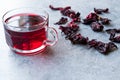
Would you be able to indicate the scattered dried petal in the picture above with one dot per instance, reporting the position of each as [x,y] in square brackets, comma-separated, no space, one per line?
[92,43]
[68,30]
[88,21]
[62,21]
[112,46]
[55,8]
[78,39]
[71,30]
[102,47]
[113,36]
[92,17]
[105,20]
[116,39]
[96,26]
[109,31]
[100,11]
[59,8]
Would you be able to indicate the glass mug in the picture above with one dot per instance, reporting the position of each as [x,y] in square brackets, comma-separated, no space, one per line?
[27,31]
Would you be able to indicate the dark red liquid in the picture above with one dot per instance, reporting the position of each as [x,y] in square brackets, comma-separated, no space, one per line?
[29,35]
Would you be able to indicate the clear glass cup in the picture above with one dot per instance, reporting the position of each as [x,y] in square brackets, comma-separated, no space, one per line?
[27,30]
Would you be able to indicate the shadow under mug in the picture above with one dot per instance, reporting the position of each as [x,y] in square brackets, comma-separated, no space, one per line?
[27,31]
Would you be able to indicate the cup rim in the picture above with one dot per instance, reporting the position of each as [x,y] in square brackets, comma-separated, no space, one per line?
[30,8]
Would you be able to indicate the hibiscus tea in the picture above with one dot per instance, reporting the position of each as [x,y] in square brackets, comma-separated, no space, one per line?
[26,31]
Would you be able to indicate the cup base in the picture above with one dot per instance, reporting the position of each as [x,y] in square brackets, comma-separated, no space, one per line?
[29,52]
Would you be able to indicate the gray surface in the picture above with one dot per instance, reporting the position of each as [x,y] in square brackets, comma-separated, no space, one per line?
[63,61]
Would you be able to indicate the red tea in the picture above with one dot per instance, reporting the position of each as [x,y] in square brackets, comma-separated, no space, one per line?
[25,31]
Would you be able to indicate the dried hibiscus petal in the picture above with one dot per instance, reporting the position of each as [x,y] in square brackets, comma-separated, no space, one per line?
[59,8]
[70,29]
[102,47]
[71,14]
[92,43]
[117,30]
[111,46]
[105,48]
[62,21]
[92,17]
[88,21]
[76,18]
[100,11]
[105,20]
[67,11]
[115,39]
[113,36]
[77,14]
[71,33]
[78,39]
[73,25]
[66,30]
[96,26]
[109,31]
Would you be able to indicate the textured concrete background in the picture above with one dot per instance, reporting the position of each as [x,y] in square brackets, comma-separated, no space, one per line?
[63,61]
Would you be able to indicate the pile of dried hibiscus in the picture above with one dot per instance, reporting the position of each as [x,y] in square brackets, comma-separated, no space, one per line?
[71,30]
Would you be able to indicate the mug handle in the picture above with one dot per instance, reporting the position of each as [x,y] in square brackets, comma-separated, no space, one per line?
[53,32]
